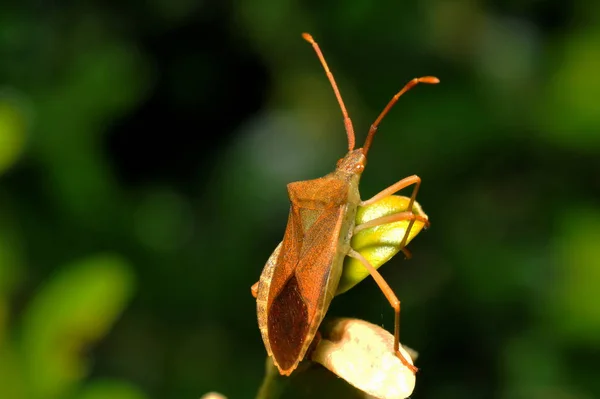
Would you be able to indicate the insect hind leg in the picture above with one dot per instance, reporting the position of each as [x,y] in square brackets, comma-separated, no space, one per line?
[394,302]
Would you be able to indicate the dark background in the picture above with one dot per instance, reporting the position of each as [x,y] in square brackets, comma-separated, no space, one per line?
[144,152]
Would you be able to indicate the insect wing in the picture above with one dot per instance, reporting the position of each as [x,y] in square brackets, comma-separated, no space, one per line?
[297,304]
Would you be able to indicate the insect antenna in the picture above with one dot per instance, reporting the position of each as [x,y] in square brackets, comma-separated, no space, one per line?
[347,121]
[407,87]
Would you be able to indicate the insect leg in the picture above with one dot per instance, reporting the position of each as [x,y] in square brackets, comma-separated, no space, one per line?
[392,299]
[254,289]
[394,188]
[396,217]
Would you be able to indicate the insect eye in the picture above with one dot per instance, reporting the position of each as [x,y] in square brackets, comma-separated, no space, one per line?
[360,167]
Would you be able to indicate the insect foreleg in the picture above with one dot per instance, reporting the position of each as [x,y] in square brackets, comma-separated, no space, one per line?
[396,217]
[394,188]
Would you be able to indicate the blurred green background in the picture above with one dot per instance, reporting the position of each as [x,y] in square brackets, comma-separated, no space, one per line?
[144,152]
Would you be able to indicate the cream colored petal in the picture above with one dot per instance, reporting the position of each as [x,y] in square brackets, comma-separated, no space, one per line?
[362,353]
[213,395]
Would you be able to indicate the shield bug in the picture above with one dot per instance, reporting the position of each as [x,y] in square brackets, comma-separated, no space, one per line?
[301,276]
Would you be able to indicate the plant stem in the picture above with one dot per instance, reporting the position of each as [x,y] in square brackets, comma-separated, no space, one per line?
[273,384]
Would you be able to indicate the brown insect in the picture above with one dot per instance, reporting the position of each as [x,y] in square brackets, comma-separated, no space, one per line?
[301,276]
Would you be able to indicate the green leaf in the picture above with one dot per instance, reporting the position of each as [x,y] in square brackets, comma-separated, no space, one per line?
[76,307]
[380,243]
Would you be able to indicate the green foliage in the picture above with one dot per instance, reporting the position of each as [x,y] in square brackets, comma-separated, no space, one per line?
[97,159]
[75,308]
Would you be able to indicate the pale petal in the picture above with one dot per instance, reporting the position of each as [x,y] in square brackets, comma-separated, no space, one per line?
[363,354]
